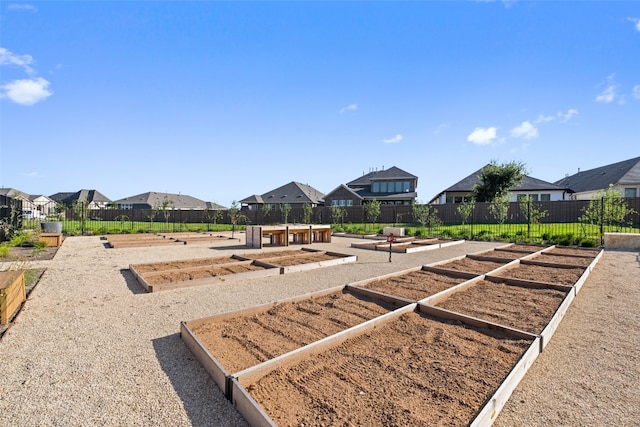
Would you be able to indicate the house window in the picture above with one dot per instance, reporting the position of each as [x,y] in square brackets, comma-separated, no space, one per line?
[341,202]
[376,187]
[545,197]
[630,192]
[349,202]
[383,187]
[405,186]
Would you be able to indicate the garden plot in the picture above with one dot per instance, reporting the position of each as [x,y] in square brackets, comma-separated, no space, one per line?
[414,284]
[231,342]
[407,245]
[205,271]
[408,369]
[472,264]
[525,305]
[527,270]
[139,240]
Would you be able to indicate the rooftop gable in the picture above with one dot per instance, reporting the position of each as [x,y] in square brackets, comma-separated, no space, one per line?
[623,173]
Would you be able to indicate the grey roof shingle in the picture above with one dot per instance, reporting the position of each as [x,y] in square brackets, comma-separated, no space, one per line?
[624,173]
[293,192]
[393,172]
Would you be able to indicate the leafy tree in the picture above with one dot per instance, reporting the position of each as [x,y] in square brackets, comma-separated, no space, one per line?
[607,208]
[466,209]
[497,179]
[266,208]
[531,211]
[372,211]
[81,212]
[286,210]
[164,208]
[338,214]
[499,208]
[425,215]
[307,211]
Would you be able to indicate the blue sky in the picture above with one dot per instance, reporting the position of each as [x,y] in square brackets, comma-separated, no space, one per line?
[222,100]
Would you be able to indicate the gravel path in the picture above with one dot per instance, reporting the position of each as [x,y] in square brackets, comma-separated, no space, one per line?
[91,348]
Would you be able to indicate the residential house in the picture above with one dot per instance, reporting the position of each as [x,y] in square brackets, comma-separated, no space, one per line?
[624,176]
[92,198]
[537,189]
[295,194]
[391,186]
[38,202]
[153,200]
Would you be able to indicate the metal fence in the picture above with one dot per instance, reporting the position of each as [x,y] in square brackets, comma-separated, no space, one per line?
[573,220]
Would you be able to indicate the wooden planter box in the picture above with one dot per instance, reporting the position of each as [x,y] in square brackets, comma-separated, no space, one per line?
[52,239]
[12,294]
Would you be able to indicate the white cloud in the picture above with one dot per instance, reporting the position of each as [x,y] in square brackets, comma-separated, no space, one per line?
[26,91]
[544,119]
[22,6]
[351,107]
[636,21]
[482,136]
[24,61]
[393,140]
[610,93]
[441,128]
[526,130]
[565,117]
[636,91]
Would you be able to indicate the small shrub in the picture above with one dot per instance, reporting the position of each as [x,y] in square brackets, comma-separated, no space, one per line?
[5,250]
[588,243]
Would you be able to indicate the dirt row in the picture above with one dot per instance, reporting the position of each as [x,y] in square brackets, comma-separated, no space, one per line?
[412,371]
[243,341]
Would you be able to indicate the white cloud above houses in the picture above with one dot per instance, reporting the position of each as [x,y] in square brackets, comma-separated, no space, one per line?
[565,117]
[26,91]
[350,107]
[610,92]
[23,91]
[22,6]
[544,119]
[393,140]
[636,23]
[483,136]
[525,130]
[23,61]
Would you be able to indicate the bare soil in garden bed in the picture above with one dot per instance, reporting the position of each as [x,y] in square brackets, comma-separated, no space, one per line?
[244,341]
[301,259]
[175,276]
[415,285]
[562,259]
[524,308]
[498,253]
[562,276]
[30,253]
[472,265]
[427,372]
[562,250]
[189,263]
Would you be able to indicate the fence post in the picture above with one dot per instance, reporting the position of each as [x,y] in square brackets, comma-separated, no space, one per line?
[602,221]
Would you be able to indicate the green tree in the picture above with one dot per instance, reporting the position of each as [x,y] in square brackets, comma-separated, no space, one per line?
[532,212]
[497,179]
[338,214]
[426,215]
[466,209]
[81,213]
[164,208]
[499,208]
[372,211]
[307,211]
[266,208]
[286,210]
[607,208]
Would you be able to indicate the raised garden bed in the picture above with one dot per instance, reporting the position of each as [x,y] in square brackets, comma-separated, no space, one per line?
[407,245]
[410,369]
[12,294]
[175,274]
[567,275]
[241,339]
[414,284]
[471,265]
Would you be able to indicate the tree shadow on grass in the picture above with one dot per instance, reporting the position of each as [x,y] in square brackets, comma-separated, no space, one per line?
[204,403]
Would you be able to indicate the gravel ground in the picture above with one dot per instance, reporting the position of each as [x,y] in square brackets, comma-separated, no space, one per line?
[91,348]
